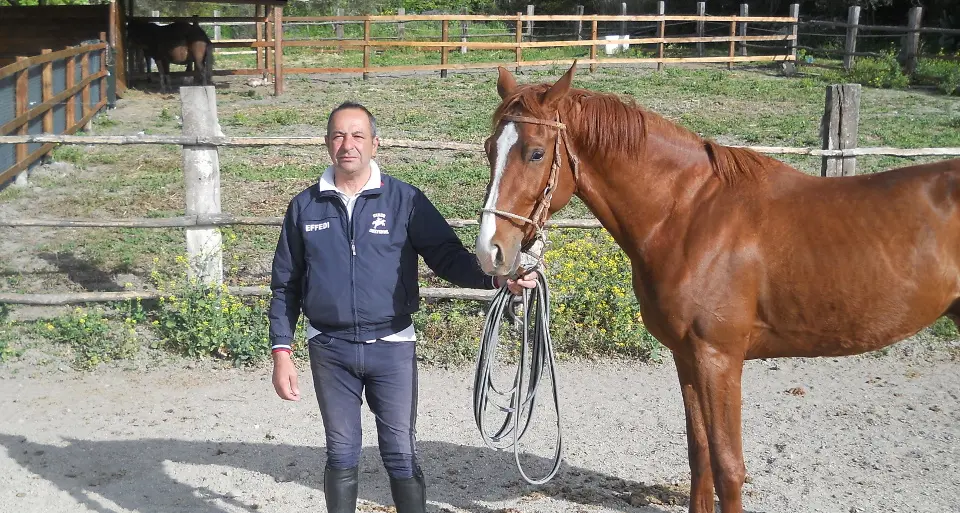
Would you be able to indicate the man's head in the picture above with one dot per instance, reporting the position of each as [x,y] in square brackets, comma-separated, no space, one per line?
[352,139]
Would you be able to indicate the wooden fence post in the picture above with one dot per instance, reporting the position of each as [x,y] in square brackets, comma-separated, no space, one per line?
[579,12]
[519,34]
[444,36]
[593,48]
[22,94]
[530,9]
[258,12]
[70,109]
[463,31]
[839,128]
[108,65]
[794,30]
[623,23]
[400,26]
[267,37]
[744,12]
[911,48]
[366,49]
[661,32]
[201,173]
[338,28]
[853,19]
[733,44]
[277,50]
[46,88]
[701,11]
[85,106]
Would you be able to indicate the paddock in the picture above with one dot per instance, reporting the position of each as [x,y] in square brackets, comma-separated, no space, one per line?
[876,455]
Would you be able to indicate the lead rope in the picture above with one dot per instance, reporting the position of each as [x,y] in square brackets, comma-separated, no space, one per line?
[537,347]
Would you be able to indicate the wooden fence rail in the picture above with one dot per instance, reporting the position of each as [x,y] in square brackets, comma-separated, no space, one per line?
[221,219]
[239,142]
[68,298]
[200,144]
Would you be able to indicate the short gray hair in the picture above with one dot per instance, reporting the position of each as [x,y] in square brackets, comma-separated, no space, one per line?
[353,105]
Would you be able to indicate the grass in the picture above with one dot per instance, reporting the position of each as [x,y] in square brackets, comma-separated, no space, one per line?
[743,106]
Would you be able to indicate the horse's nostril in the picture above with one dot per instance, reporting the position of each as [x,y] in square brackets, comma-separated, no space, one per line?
[497,256]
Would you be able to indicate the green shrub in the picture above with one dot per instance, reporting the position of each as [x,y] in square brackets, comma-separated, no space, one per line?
[941,73]
[72,154]
[199,321]
[448,331]
[594,311]
[882,72]
[7,349]
[945,329]
[93,338]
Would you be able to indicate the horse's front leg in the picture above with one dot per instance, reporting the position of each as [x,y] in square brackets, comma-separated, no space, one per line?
[698,448]
[717,381]
[163,66]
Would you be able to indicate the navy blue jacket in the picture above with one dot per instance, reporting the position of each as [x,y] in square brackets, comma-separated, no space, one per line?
[356,279]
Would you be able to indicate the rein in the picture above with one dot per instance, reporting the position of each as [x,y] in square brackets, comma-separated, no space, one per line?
[542,209]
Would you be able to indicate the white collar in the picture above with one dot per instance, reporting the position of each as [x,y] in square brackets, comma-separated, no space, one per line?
[326,182]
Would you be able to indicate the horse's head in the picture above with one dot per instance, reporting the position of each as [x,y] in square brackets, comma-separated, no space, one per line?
[531,176]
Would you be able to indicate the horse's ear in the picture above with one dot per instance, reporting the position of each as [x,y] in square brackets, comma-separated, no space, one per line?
[559,89]
[506,83]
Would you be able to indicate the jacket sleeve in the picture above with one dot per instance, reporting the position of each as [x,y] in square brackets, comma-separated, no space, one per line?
[285,281]
[434,239]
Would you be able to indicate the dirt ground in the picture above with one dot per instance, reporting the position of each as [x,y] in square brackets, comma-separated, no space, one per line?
[872,433]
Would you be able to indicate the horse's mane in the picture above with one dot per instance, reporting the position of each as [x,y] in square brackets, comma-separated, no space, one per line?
[606,124]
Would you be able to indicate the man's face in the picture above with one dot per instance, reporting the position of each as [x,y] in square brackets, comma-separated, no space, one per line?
[350,142]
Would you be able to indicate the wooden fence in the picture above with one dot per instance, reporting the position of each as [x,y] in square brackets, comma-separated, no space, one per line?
[201,141]
[910,34]
[270,40]
[55,92]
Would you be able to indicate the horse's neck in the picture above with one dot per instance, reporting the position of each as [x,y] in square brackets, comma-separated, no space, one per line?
[634,195]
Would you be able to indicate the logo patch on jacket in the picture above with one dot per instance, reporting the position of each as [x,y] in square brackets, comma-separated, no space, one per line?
[379,222]
[316,226]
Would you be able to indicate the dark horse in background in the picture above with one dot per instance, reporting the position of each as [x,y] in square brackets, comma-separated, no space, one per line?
[176,43]
[735,255]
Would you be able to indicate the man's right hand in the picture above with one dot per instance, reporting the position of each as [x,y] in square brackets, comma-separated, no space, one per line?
[285,376]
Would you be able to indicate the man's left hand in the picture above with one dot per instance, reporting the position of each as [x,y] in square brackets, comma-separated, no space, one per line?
[527,281]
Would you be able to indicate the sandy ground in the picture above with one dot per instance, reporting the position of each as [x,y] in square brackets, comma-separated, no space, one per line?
[873,433]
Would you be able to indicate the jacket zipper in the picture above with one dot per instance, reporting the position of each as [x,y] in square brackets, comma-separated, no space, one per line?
[353,254]
[357,208]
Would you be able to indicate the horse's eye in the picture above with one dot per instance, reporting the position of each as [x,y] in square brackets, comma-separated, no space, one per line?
[537,155]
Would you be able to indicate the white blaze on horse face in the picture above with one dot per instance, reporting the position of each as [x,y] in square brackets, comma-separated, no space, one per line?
[488,221]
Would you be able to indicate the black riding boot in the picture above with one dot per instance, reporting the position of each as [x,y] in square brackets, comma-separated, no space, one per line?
[409,495]
[340,489]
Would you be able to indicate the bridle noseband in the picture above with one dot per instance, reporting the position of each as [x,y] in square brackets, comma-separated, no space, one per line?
[542,209]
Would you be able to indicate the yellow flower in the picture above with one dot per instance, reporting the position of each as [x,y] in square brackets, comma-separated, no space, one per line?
[49,326]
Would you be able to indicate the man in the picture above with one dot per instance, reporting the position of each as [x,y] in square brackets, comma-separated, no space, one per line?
[347,257]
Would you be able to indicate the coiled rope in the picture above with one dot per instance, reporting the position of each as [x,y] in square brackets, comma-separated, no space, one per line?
[536,345]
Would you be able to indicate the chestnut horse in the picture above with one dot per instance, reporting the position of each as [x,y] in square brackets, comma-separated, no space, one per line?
[735,255]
